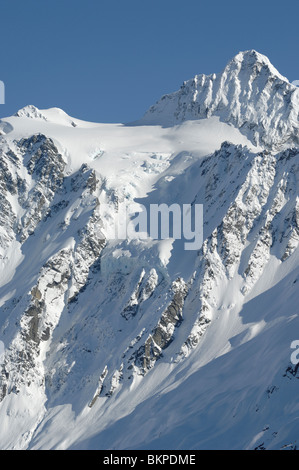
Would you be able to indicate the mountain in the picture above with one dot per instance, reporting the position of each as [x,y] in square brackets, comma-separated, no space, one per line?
[137,342]
[250,94]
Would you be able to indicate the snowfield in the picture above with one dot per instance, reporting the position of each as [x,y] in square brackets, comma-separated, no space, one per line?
[139,343]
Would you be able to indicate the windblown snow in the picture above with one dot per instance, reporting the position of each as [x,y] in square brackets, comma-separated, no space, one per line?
[138,343]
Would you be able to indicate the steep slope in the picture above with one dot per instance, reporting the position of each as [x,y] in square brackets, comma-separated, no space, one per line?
[139,343]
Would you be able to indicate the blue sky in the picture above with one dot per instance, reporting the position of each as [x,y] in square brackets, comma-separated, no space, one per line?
[108,61]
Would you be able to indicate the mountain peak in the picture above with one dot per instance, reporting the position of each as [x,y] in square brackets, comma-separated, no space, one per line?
[30,111]
[251,55]
[251,59]
[53,115]
[249,94]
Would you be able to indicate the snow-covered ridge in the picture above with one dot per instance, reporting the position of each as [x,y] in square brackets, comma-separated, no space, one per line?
[249,94]
[54,115]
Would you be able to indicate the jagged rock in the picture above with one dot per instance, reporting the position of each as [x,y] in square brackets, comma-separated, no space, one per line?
[162,335]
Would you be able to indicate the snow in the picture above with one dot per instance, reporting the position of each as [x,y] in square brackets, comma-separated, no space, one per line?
[239,95]
[221,381]
[165,248]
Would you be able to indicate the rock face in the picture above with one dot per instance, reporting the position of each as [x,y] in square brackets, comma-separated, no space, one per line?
[41,189]
[162,335]
[127,331]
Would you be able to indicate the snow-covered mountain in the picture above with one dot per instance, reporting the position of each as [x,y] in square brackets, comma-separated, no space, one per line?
[250,94]
[138,343]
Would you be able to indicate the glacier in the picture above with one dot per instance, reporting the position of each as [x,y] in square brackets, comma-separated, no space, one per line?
[138,343]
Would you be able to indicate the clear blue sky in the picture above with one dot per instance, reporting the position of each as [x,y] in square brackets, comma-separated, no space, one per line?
[108,61]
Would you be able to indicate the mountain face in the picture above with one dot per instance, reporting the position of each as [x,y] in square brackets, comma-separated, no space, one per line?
[136,342]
